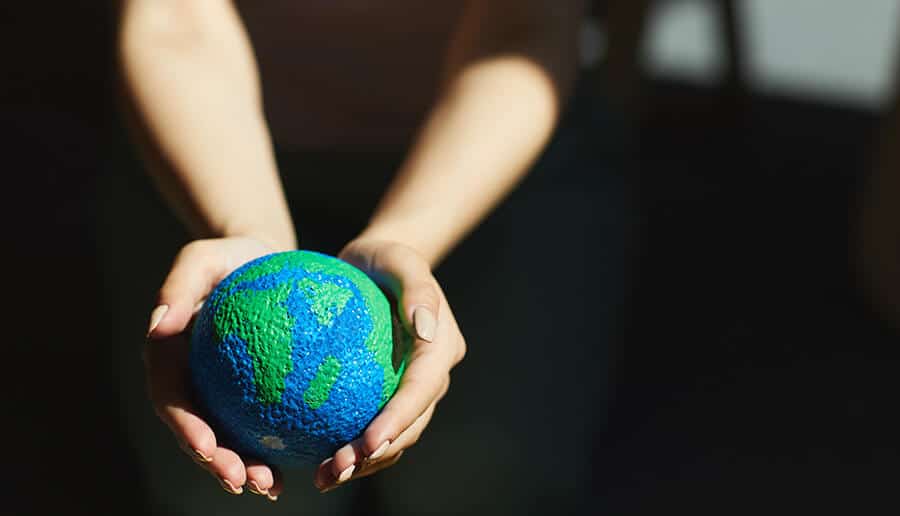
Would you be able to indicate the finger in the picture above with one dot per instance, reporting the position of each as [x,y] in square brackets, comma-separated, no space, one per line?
[195,271]
[420,385]
[352,460]
[420,301]
[401,270]
[413,284]
[195,437]
[260,477]
[371,470]
[324,476]
[457,343]
[380,465]
[278,485]
[228,468]
[345,460]
[405,440]
[392,454]
[166,370]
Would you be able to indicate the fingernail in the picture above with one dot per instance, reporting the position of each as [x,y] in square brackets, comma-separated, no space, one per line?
[156,316]
[379,451]
[346,474]
[201,457]
[229,487]
[271,497]
[425,323]
[255,489]
[330,488]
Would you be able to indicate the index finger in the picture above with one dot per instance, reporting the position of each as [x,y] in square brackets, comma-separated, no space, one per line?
[195,271]
[165,362]
[421,384]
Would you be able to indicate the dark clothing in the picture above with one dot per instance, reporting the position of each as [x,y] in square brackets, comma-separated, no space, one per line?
[537,290]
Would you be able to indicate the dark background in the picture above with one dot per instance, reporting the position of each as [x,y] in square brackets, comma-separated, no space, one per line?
[65,450]
[755,376]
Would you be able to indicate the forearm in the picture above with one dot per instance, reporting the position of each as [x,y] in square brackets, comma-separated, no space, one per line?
[506,82]
[192,83]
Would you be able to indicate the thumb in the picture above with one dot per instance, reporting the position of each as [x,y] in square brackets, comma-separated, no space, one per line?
[411,281]
[420,300]
[195,271]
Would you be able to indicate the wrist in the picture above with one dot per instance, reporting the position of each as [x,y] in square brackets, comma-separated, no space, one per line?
[277,240]
[410,235]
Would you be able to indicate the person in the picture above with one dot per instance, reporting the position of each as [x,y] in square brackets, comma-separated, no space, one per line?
[409,122]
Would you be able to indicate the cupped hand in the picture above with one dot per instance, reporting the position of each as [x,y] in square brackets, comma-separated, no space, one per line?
[437,347]
[197,269]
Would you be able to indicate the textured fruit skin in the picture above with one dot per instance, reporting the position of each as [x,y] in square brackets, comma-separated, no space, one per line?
[291,357]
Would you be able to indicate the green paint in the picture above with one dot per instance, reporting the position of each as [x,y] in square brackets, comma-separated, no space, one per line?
[380,340]
[260,319]
[328,299]
[315,263]
[270,266]
[313,267]
[320,387]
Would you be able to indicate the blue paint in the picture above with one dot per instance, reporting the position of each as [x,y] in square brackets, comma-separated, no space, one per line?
[288,434]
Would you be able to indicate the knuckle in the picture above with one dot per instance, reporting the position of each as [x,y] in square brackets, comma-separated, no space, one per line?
[192,249]
[460,351]
[371,442]
[424,286]
[425,293]
[196,251]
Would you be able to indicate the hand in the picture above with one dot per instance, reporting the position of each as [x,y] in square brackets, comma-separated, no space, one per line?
[198,268]
[438,346]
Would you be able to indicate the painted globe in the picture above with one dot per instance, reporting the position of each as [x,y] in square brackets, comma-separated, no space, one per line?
[292,356]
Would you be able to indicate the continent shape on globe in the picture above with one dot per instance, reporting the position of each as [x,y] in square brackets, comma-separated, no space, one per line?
[291,357]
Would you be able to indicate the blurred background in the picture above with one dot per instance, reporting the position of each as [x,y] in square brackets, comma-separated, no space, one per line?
[757,365]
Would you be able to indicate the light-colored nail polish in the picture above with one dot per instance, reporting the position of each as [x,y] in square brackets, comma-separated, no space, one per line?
[379,451]
[425,323]
[346,474]
[271,497]
[201,457]
[254,488]
[229,487]
[156,317]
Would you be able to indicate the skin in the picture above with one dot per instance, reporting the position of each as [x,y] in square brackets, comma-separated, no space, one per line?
[508,71]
